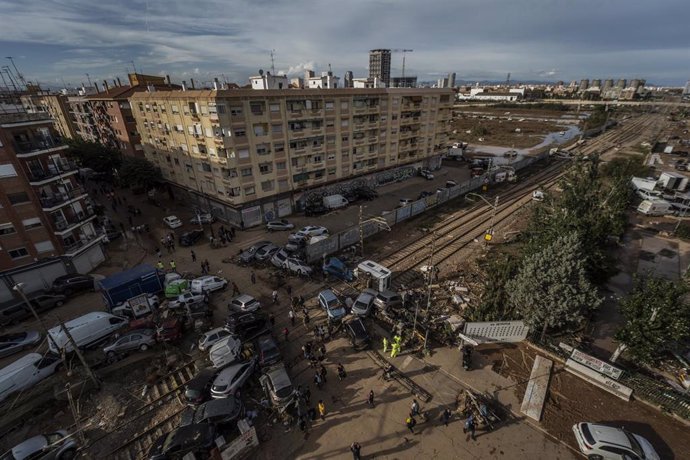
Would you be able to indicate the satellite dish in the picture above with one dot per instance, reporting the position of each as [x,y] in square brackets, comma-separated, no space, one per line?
[261,71]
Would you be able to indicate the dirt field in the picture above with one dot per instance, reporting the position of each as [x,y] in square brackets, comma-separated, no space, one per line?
[502,132]
[570,400]
[524,111]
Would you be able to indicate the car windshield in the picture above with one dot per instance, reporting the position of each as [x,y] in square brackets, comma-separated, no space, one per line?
[13,337]
[634,444]
[284,392]
[360,305]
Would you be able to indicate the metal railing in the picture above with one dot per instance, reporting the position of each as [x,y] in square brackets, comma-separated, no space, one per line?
[62,223]
[44,143]
[58,198]
[36,175]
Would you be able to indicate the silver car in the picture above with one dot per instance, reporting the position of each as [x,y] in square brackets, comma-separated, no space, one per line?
[277,385]
[297,266]
[231,379]
[209,338]
[53,446]
[266,252]
[140,339]
[363,302]
[281,224]
[14,343]
[244,302]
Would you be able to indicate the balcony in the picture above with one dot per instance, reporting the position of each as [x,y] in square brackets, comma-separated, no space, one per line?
[38,176]
[50,203]
[26,149]
[85,241]
[64,224]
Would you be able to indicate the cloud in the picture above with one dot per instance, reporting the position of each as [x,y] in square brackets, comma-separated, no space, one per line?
[299,69]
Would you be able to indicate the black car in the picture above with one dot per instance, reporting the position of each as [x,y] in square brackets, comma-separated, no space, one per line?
[43,302]
[198,389]
[247,325]
[75,282]
[216,411]
[359,337]
[267,349]
[190,238]
[195,439]
[366,193]
[315,210]
[424,194]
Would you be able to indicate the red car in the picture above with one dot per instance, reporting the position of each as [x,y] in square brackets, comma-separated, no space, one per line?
[170,330]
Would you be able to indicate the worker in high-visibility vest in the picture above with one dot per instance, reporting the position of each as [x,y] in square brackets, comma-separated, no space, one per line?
[397,339]
[160,265]
[385,345]
[172,265]
[395,349]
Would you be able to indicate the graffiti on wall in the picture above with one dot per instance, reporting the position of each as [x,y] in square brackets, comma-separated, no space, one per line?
[394,175]
[343,188]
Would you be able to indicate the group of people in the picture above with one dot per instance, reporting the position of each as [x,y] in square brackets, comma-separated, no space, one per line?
[168,242]
[396,345]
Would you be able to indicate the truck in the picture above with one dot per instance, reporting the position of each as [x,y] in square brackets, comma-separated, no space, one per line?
[335,201]
[142,279]
[673,181]
[655,208]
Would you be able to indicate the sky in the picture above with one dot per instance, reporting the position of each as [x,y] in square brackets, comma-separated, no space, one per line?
[56,41]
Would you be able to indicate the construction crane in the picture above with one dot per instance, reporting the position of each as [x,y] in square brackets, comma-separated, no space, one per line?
[403,51]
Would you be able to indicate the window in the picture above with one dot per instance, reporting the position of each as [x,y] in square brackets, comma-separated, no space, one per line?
[249,190]
[6,229]
[209,132]
[282,184]
[259,130]
[18,253]
[243,153]
[274,107]
[240,132]
[330,123]
[277,129]
[279,147]
[44,246]
[317,158]
[318,174]
[220,108]
[7,170]
[344,138]
[257,108]
[246,172]
[280,165]
[329,105]
[17,198]
[331,156]
[267,186]
[34,222]
[262,149]
[265,168]
[205,167]
[331,171]
[235,191]
[236,111]
[175,109]
[343,105]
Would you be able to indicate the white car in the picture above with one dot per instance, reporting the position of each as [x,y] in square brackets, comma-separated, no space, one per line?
[363,302]
[281,224]
[208,283]
[244,303]
[205,218]
[187,298]
[225,352]
[297,266]
[649,194]
[601,442]
[210,338]
[279,258]
[231,379]
[426,174]
[306,232]
[172,221]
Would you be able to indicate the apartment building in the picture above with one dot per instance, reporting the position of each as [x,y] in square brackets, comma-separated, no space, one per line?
[380,65]
[44,211]
[250,156]
[56,106]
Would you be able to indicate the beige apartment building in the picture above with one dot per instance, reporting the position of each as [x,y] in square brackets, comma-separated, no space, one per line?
[56,106]
[250,156]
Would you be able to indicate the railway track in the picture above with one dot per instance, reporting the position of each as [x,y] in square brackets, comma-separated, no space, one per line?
[165,392]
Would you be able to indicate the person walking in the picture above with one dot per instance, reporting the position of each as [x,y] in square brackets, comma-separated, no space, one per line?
[322,409]
[414,408]
[445,416]
[410,422]
[470,426]
[341,372]
[160,265]
[385,345]
[291,315]
[172,265]
[370,399]
[193,255]
[323,372]
[395,349]
[286,332]
[318,380]
[253,278]
[235,289]
[208,265]
[271,319]
[355,448]
[274,296]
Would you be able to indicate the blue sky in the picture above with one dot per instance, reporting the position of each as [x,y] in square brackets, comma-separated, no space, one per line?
[56,40]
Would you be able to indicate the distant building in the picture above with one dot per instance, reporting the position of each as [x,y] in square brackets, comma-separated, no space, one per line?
[297,83]
[584,84]
[686,90]
[380,65]
[483,94]
[326,81]
[367,83]
[403,82]
[451,80]
[268,81]
[56,106]
[348,80]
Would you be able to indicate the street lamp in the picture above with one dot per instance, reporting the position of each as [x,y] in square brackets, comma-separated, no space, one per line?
[489,233]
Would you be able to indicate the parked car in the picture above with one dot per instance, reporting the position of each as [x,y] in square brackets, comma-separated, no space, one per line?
[198,389]
[312,230]
[75,282]
[225,352]
[190,238]
[27,371]
[266,252]
[336,268]
[649,194]
[267,350]
[297,266]
[359,337]
[205,218]
[681,167]
[315,209]
[47,301]
[215,411]
[140,339]
[387,299]
[363,302]
[247,325]
[404,202]
[248,255]
[85,331]
[171,330]
[197,438]
[51,446]
[426,174]
[296,244]
[14,313]
[277,385]
[232,378]
[601,442]
[333,306]
[208,283]
[279,225]
[172,222]
[14,343]
[188,298]
[244,302]
[209,338]
[366,193]
[279,258]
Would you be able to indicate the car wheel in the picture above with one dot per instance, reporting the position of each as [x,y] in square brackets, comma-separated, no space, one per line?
[143,347]
[595,457]
[68,455]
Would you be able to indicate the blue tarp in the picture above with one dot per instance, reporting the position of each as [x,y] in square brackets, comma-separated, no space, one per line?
[127,276]
[127,284]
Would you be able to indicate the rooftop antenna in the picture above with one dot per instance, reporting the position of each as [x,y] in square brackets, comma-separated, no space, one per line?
[508,79]
[133,66]
[329,67]
[89,79]
[9,75]
[19,75]
[273,67]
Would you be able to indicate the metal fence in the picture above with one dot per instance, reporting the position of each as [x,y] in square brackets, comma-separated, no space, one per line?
[339,241]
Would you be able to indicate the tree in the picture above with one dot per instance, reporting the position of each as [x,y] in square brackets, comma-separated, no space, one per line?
[551,289]
[494,304]
[95,156]
[656,318]
[138,172]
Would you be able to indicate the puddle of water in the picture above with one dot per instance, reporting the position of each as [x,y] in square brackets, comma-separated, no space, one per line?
[551,138]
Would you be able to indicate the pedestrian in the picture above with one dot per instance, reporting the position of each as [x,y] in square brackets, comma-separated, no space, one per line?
[323,372]
[271,319]
[253,278]
[385,345]
[274,295]
[208,265]
[302,424]
[355,448]
[285,333]
[160,265]
[291,315]
[288,289]
[410,422]
[306,319]
[235,289]
[318,380]
[470,426]
[172,265]
[159,253]
[445,417]
[395,349]
[370,399]
[322,409]
[414,408]
[307,395]
[203,268]
[341,372]
[193,255]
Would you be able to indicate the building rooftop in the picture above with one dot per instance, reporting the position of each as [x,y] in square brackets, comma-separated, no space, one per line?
[190,94]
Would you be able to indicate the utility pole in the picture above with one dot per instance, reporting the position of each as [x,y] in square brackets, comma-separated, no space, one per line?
[361,230]
[19,287]
[75,413]
[273,64]
[89,372]
[19,75]
[432,274]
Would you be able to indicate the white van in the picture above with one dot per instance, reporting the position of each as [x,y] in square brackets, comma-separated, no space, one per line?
[26,372]
[225,352]
[655,208]
[87,330]
[335,201]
